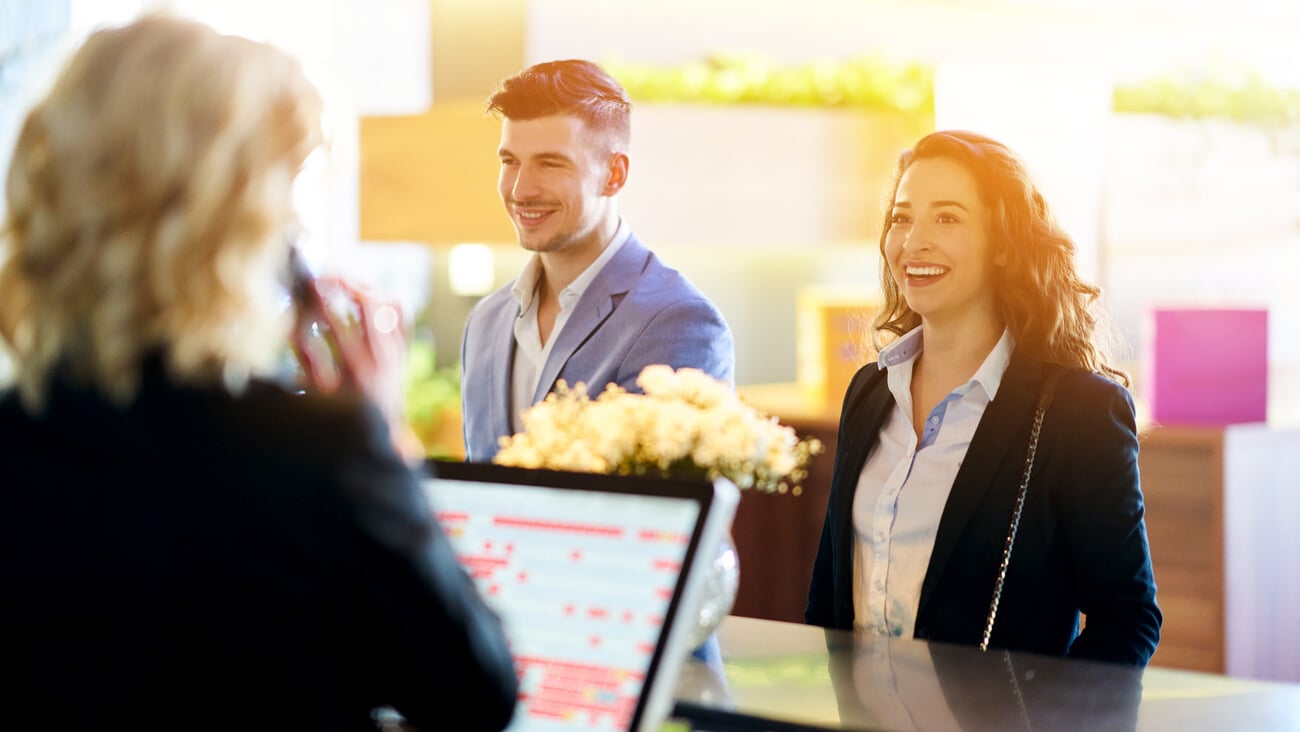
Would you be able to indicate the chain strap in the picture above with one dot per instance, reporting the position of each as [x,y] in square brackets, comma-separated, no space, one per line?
[1044,399]
[1015,687]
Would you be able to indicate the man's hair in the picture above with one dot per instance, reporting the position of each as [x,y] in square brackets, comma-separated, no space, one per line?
[147,203]
[1040,296]
[570,87]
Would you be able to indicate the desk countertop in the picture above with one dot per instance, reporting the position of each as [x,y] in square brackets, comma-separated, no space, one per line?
[786,676]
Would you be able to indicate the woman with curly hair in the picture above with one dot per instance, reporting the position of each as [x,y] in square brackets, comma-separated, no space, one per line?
[184,542]
[985,488]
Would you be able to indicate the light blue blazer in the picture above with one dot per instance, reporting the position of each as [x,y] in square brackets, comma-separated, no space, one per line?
[635,313]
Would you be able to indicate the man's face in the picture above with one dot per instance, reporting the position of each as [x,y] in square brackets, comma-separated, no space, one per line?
[556,180]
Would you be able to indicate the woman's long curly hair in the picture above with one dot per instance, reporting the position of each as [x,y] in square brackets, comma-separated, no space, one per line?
[1040,297]
[148,200]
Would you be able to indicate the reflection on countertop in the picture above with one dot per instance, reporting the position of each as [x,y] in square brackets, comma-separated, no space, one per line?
[791,676]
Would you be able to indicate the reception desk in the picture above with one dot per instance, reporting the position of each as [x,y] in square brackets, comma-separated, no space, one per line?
[776,676]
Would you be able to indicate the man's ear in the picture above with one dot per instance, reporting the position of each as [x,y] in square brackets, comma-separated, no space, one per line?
[617,173]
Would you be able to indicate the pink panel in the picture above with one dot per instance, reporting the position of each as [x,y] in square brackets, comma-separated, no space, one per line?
[1208,367]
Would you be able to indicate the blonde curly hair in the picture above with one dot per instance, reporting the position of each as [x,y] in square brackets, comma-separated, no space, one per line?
[148,199]
[1049,309]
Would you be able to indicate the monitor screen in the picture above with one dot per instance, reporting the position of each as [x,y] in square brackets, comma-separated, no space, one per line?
[586,573]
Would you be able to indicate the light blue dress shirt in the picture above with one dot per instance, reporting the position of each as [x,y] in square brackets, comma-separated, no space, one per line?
[904,486]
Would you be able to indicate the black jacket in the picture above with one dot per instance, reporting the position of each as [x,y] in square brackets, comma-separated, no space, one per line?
[202,560]
[1081,545]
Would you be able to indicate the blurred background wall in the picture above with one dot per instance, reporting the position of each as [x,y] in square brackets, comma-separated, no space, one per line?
[759,202]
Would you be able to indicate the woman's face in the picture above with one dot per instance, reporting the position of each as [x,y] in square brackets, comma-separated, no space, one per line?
[937,246]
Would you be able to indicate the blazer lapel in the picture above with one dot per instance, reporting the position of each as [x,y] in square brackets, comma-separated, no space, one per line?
[993,440]
[618,277]
[865,414]
[503,352]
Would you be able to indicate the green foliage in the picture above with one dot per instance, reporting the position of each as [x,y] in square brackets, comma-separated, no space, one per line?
[867,82]
[1222,91]
[1239,95]
[432,398]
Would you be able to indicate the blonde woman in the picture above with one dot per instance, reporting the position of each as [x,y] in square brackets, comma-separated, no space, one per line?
[992,364]
[184,543]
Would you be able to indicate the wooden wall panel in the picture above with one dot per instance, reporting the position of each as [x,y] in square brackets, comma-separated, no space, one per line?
[432,177]
[1182,481]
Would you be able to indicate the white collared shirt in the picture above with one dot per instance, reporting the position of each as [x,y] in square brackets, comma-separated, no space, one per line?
[904,486]
[530,352]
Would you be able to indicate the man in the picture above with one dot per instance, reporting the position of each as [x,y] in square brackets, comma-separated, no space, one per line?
[592,305]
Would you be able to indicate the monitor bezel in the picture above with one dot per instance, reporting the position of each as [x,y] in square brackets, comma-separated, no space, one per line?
[701,490]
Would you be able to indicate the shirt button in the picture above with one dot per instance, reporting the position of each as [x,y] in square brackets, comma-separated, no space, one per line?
[880,586]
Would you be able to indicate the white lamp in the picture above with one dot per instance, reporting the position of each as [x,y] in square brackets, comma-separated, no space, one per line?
[470,269]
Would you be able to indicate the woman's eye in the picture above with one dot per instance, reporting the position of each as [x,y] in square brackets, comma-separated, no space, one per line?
[899,218]
[946,218]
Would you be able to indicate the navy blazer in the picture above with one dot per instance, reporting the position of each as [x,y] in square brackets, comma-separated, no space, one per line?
[1081,545]
[202,560]
[635,313]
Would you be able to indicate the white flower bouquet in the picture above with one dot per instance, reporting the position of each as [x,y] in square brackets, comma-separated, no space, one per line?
[686,423]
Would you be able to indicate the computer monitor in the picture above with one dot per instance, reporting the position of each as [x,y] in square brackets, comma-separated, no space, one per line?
[596,579]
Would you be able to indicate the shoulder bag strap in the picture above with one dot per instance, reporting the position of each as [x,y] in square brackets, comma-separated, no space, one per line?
[1044,401]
